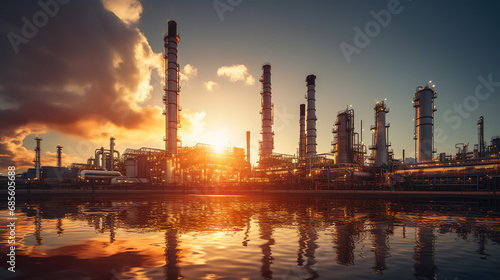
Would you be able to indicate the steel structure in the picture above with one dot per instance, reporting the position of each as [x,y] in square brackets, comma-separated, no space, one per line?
[480,135]
[424,122]
[380,129]
[37,160]
[171,97]
[267,144]
[311,116]
[59,155]
[302,133]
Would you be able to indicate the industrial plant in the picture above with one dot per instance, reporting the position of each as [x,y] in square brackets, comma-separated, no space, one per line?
[349,164]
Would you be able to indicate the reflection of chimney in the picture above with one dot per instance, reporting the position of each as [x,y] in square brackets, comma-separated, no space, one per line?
[172,255]
[59,155]
[266,148]
[344,242]
[424,253]
[311,116]
[266,232]
[380,246]
[38,227]
[302,137]
[307,245]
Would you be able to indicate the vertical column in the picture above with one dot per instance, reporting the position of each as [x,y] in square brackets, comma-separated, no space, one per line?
[267,118]
[302,137]
[59,155]
[311,116]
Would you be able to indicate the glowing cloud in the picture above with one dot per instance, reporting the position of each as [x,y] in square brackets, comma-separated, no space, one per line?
[188,72]
[236,73]
[129,11]
[210,85]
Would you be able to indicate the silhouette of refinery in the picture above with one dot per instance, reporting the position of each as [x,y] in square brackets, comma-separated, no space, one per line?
[349,164]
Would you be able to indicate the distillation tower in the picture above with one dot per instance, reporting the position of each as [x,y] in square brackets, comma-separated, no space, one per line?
[424,122]
[38,150]
[59,155]
[302,133]
[380,146]
[267,144]
[171,97]
[311,116]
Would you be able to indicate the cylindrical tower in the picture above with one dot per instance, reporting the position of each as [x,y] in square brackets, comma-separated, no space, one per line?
[38,150]
[112,153]
[266,146]
[248,150]
[302,136]
[424,122]
[171,87]
[59,155]
[103,159]
[343,145]
[480,134]
[311,116]
[380,147]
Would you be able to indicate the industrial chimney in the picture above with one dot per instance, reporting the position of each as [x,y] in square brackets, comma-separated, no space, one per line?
[266,146]
[311,116]
[171,88]
[480,134]
[38,150]
[380,133]
[302,137]
[248,150]
[424,122]
[59,155]
[112,153]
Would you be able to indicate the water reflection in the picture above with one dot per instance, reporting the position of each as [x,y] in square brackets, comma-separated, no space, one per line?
[262,237]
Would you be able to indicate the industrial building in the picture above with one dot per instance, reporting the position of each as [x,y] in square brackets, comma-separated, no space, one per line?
[347,166]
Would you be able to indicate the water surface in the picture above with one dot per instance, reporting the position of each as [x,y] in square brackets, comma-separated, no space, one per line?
[255,237]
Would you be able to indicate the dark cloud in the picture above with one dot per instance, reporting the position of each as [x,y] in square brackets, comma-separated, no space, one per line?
[81,69]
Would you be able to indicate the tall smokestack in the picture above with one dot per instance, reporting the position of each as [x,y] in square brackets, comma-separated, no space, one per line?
[112,153]
[311,116]
[59,155]
[171,88]
[480,134]
[380,148]
[302,137]
[248,150]
[424,122]
[38,150]
[266,148]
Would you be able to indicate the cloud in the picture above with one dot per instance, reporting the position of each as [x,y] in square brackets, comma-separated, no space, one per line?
[236,73]
[188,72]
[87,74]
[210,85]
[129,11]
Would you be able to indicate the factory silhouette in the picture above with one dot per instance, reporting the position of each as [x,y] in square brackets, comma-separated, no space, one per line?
[350,164]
